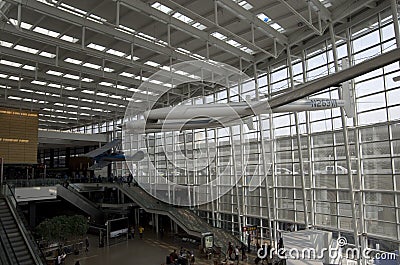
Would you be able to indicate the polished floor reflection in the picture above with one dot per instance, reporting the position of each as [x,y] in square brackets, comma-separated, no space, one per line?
[148,251]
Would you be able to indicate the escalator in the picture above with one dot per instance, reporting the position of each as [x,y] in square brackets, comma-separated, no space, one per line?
[184,217]
[190,222]
[13,241]
[75,198]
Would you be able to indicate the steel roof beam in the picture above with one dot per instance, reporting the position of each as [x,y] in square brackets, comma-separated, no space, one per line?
[66,93]
[77,68]
[308,23]
[335,79]
[65,101]
[322,10]
[249,16]
[73,83]
[182,26]
[106,29]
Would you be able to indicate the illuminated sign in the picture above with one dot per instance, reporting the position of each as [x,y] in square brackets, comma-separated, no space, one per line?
[249,228]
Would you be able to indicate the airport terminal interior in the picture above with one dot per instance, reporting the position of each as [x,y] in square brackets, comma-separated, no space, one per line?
[199,132]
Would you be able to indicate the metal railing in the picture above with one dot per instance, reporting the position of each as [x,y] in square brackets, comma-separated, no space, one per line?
[33,248]
[34,182]
[8,254]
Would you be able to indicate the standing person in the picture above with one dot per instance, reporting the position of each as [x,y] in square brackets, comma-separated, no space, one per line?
[248,243]
[132,232]
[230,250]
[130,178]
[141,230]
[87,244]
[237,254]
[243,249]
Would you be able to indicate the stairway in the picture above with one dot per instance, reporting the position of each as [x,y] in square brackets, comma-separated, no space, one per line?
[80,201]
[16,240]
[184,217]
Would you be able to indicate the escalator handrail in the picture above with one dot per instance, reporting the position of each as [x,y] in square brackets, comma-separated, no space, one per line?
[37,256]
[11,258]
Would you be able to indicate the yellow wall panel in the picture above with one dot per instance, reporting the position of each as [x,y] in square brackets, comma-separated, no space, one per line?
[18,136]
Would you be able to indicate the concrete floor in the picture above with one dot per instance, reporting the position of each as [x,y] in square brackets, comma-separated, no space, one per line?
[148,251]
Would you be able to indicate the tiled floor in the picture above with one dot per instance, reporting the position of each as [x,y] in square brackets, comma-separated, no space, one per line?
[148,251]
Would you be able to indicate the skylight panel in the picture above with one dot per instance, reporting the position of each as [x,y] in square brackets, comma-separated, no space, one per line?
[96,46]
[183,18]
[15,98]
[58,104]
[86,108]
[126,74]
[155,82]
[46,32]
[87,80]
[101,102]
[248,50]
[112,104]
[26,49]
[56,73]
[24,25]
[73,98]
[26,90]
[29,67]
[87,100]
[37,82]
[122,87]
[116,96]
[97,18]
[151,63]
[88,91]
[69,88]
[69,38]
[233,43]
[5,44]
[102,94]
[72,106]
[162,8]
[135,58]
[9,63]
[277,27]
[199,26]
[106,84]
[107,69]
[47,54]
[70,76]
[245,5]
[74,9]
[72,60]
[84,114]
[218,35]
[91,65]
[115,52]
[263,17]
[3,76]
[145,36]
[128,29]
[40,93]
[54,85]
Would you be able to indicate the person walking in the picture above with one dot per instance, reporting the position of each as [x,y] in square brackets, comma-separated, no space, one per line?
[132,232]
[141,230]
[87,244]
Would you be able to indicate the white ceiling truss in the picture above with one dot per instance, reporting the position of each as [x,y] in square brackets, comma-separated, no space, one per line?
[80,62]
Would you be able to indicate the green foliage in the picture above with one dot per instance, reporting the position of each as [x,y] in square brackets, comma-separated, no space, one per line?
[63,228]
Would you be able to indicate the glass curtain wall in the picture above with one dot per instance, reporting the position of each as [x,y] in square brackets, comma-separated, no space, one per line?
[374,145]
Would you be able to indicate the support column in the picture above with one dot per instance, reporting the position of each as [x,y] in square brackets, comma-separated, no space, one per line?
[264,162]
[346,147]
[32,214]
[303,182]
[51,158]
[156,223]
[67,156]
